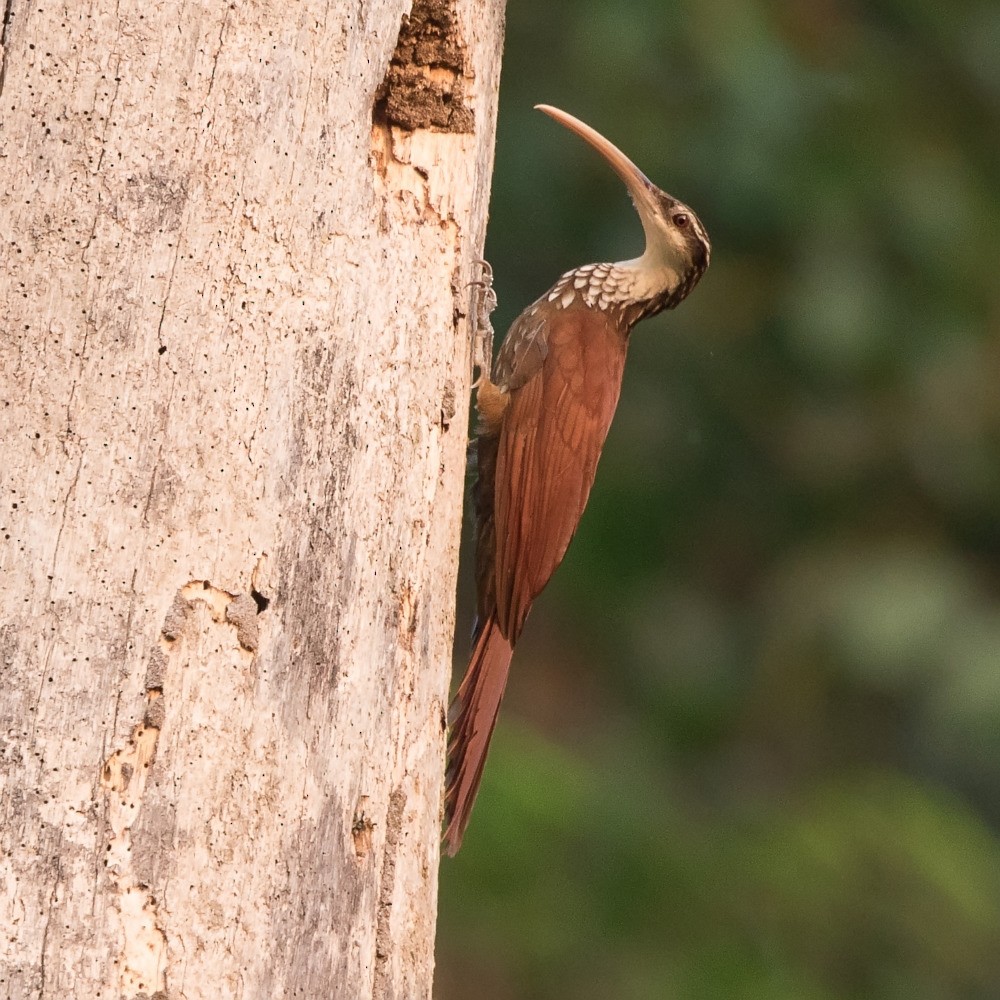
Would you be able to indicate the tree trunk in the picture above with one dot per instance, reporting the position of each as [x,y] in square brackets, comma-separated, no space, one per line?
[235,367]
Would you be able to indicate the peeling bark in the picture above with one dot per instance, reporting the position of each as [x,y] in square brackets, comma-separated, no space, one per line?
[234,367]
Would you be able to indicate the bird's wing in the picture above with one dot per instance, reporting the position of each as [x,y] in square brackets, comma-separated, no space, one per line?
[523,349]
[551,437]
[520,359]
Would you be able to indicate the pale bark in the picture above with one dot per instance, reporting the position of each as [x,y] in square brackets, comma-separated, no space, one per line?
[234,374]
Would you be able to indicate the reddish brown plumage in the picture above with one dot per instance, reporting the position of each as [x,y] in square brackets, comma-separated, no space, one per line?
[475,710]
[552,436]
[535,474]
[544,418]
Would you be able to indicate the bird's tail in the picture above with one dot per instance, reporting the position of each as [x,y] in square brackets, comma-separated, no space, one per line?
[473,715]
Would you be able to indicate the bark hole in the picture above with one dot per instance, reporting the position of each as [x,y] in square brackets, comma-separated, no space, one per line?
[424,85]
[260,600]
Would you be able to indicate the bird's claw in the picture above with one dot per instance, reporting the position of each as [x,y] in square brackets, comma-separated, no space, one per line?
[484,302]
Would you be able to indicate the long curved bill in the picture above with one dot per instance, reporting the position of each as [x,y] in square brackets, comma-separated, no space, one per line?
[639,186]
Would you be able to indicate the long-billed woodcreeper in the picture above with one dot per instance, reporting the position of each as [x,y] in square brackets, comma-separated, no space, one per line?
[543,419]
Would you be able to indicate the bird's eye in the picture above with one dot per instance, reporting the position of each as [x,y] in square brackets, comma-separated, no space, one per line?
[681,220]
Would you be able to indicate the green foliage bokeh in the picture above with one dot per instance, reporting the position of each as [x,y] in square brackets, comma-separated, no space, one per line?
[751,743]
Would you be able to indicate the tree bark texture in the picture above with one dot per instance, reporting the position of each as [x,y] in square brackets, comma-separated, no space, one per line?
[234,244]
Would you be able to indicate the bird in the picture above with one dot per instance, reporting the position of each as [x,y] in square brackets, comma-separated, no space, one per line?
[543,416]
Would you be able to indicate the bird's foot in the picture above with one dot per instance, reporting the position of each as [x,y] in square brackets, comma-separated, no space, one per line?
[484,302]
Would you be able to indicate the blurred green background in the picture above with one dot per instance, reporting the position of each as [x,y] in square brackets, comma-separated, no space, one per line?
[751,743]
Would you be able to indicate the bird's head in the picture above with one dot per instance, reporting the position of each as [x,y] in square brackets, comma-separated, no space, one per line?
[677,246]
